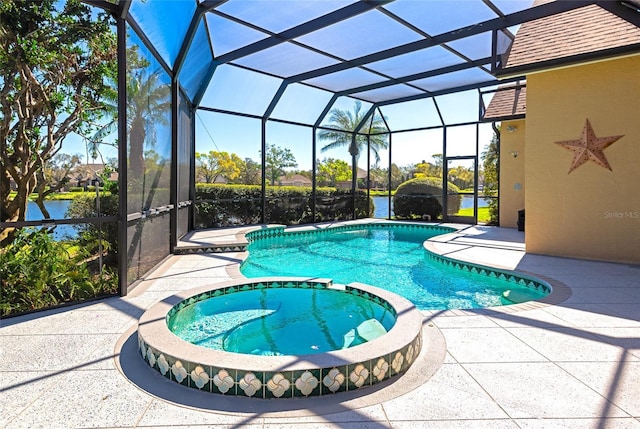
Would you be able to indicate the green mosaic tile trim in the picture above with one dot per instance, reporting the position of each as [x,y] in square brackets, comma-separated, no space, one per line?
[280,231]
[211,249]
[373,298]
[496,273]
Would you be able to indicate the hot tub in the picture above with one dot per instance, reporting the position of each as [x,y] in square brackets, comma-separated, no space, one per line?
[379,345]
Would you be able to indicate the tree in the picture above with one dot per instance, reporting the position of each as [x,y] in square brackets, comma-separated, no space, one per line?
[249,172]
[54,67]
[214,164]
[346,122]
[397,176]
[427,169]
[56,171]
[461,176]
[277,160]
[379,176]
[148,105]
[490,165]
[331,171]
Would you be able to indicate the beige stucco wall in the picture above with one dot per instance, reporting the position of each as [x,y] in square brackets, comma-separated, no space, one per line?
[512,183]
[592,212]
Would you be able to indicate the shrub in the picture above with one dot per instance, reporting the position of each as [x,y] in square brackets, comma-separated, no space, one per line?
[225,205]
[76,189]
[85,206]
[418,197]
[38,272]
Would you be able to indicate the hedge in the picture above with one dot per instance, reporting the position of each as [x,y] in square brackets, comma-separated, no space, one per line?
[220,205]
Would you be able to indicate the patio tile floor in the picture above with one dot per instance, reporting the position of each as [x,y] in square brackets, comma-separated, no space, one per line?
[572,364]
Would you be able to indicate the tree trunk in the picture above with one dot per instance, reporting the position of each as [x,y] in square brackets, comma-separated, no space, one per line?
[14,210]
[136,149]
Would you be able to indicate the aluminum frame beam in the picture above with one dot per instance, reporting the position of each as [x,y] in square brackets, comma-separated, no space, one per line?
[331,18]
[501,23]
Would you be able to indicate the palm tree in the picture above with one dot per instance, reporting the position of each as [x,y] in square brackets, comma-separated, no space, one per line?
[345,123]
[148,104]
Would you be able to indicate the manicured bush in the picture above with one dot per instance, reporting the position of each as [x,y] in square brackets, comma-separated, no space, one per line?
[226,205]
[420,197]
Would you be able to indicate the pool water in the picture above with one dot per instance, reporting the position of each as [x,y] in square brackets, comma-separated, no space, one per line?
[390,257]
[286,321]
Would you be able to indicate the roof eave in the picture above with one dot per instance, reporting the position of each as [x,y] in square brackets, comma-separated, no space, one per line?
[504,118]
[571,61]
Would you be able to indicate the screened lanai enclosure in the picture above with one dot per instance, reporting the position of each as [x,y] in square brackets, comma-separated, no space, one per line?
[246,112]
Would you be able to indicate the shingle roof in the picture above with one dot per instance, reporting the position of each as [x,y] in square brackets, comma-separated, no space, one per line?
[580,31]
[508,102]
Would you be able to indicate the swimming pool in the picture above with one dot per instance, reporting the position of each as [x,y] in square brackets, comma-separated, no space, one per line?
[390,256]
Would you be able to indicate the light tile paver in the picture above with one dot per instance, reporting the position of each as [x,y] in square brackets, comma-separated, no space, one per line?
[488,345]
[450,394]
[619,382]
[540,390]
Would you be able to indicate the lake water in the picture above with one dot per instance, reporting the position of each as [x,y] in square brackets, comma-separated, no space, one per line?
[57,210]
[382,205]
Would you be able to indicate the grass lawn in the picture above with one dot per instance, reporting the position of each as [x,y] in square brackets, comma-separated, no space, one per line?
[483,213]
[381,193]
[62,195]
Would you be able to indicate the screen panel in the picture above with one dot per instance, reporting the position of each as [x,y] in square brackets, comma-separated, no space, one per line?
[165,23]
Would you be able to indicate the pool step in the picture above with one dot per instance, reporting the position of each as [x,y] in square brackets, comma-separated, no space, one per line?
[370,329]
[210,248]
[366,331]
[519,296]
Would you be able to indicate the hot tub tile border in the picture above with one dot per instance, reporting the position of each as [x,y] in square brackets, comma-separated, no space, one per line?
[333,380]
[278,385]
[302,383]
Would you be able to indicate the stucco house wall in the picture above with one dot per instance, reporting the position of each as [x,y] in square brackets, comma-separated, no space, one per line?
[591,212]
[512,180]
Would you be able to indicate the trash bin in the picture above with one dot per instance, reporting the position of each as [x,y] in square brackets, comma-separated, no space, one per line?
[521,220]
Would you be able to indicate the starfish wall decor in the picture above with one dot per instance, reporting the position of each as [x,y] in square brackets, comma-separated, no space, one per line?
[589,147]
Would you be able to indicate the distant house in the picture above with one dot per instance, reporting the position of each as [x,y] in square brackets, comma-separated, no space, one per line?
[219,180]
[346,184]
[294,180]
[89,175]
